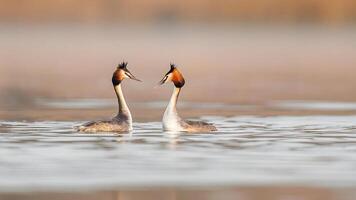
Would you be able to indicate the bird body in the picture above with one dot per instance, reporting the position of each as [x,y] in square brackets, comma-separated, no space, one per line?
[171,120]
[122,122]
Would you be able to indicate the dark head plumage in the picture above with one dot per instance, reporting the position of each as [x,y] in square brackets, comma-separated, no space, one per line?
[173,67]
[122,65]
[176,76]
[121,73]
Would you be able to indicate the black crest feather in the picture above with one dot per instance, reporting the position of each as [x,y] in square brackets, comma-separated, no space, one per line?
[122,65]
[173,66]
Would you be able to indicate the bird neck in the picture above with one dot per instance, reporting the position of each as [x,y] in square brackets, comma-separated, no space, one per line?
[171,108]
[171,120]
[123,108]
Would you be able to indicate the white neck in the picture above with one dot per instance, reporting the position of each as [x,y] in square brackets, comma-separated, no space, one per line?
[170,117]
[123,108]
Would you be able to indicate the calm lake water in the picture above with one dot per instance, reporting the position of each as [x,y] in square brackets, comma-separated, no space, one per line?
[247,150]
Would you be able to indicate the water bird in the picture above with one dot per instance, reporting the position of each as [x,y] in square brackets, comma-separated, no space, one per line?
[122,122]
[171,119]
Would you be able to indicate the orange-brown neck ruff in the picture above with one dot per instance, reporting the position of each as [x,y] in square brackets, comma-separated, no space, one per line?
[177,78]
[117,77]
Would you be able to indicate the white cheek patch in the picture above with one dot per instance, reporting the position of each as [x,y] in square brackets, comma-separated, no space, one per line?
[170,76]
[127,75]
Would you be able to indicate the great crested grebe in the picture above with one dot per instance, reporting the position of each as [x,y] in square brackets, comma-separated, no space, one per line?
[171,120]
[122,122]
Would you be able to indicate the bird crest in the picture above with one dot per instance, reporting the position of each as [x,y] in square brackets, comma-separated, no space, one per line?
[122,65]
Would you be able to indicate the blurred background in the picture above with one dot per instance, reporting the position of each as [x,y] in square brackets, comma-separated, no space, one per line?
[238,57]
[55,53]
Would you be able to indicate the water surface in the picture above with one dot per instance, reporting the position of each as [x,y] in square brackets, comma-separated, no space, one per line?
[247,150]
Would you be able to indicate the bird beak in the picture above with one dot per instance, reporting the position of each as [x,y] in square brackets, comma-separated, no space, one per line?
[133,77]
[136,79]
[164,79]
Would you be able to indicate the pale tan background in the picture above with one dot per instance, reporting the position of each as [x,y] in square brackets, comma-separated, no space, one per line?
[239,52]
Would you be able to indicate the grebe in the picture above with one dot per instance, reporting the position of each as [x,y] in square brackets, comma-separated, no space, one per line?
[123,120]
[171,120]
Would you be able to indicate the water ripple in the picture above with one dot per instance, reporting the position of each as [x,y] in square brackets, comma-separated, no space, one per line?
[315,150]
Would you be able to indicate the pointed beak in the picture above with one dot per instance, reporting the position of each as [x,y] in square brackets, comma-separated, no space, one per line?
[136,79]
[163,80]
[133,77]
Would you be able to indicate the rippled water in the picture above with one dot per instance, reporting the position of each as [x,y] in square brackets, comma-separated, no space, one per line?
[313,150]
